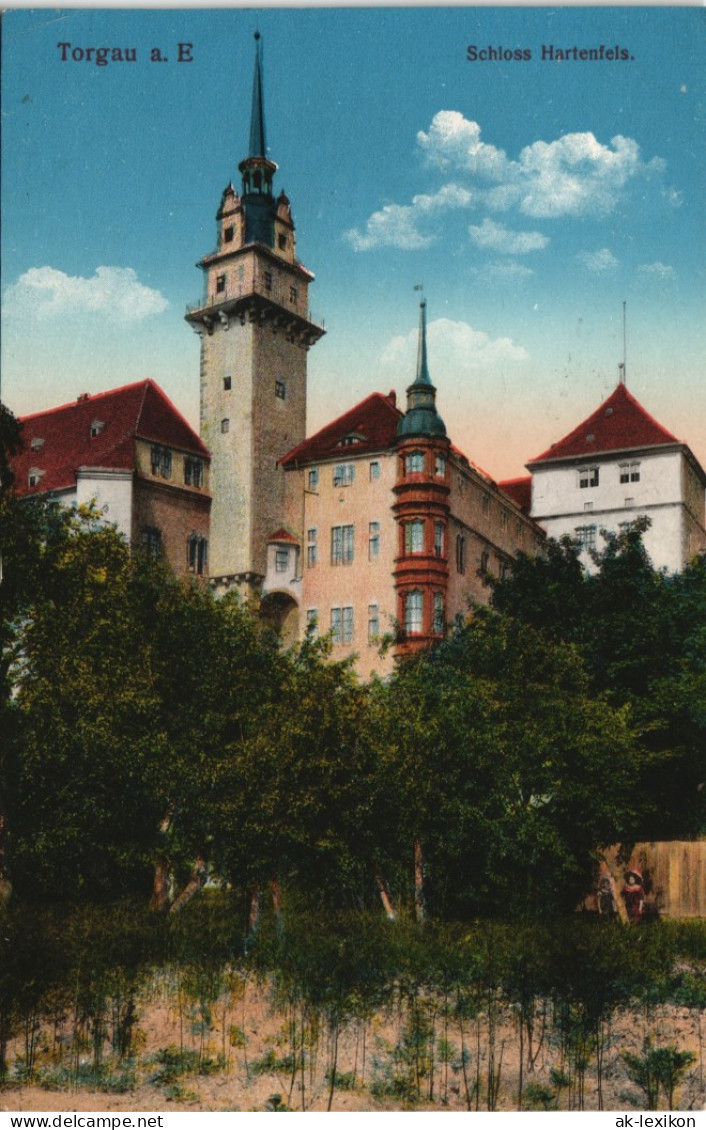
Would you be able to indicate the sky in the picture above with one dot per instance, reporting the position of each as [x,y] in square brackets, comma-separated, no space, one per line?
[531,198]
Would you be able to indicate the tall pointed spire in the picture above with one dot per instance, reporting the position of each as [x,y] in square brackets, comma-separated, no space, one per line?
[421,417]
[422,367]
[258,147]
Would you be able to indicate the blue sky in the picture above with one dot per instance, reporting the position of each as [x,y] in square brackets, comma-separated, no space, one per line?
[531,199]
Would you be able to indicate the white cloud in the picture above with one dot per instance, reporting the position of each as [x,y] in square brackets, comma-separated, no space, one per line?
[506,270]
[598,262]
[114,292]
[496,237]
[575,175]
[660,270]
[455,349]
[454,142]
[397,225]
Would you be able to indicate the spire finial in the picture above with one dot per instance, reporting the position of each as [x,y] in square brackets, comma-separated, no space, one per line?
[257,116]
[422,376]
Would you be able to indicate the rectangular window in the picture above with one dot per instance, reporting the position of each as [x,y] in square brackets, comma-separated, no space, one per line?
[486,504]
[413,607]
[414,536]
[341,545]
[193,471]
[197,554]
[312,620]
[225,425]
[460,554]
[313,478]
[438,613]
[220,284]
[161,461]
[336,621]
[374,470]
[227,384]
[504,519]
[228,235]
[439,466]
[347,625]
[268,280]
[414,463]
[438,539]
[484,561]
[588,477]
[630,472]
[281,560]
[293,294]
[586,536]
[151,540]
[373,540]
[343,474]
[373,623]
[280,390]
[312,548]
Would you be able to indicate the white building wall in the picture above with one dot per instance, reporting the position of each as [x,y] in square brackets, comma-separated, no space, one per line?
[111,491]
[562,506]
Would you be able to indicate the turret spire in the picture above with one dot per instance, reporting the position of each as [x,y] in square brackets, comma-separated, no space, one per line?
[422,376]
[258,147]
[421,417]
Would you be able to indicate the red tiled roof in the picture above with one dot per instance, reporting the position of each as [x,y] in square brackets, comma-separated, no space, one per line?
[520,491]
[283,535]
[140,409]
[373,422]
[620,424]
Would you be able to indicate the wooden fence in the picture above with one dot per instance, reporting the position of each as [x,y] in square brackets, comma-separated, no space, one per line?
[673,872]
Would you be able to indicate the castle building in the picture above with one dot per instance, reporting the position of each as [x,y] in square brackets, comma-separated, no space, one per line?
[376,531]
[390,532]
[617,465]
[131,453]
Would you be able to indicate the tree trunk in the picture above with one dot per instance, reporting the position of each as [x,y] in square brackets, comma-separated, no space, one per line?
[418,881]
[606,871]
[253,909]
[385,895]
[194,885]
[5,884]
[160,887]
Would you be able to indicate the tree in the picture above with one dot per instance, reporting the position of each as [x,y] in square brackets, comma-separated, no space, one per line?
[640,633]
[499,760]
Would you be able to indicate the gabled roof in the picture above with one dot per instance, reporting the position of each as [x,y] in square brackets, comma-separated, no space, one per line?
[520,491]
[370,426]
[137,410]
[620,424]
[282,535]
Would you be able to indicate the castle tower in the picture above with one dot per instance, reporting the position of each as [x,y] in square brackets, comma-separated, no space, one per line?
[255,331]
[422,509]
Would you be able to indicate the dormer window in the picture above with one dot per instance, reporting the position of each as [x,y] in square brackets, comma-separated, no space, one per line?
[351,439]
[96,428]
[36,443]
[34,477]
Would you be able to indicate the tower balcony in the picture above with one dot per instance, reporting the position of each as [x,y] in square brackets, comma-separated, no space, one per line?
[258,308]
